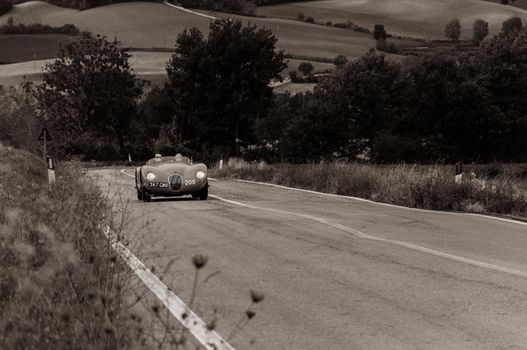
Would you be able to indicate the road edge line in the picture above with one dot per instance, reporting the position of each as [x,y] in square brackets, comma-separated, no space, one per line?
[190,11]
[380,203]
[367,236]
[210,339]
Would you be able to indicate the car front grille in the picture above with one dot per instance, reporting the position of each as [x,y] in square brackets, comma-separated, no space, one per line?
[175,182]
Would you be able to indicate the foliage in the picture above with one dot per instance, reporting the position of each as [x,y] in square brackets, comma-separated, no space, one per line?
[5,7]
[18,125]
[480,30]
[232,6]
[385,46]
[86,4]
[61,284]
[275,2]
[37,28]
[511,25]
[340,60]
[306,68]
[453,30]
[221,83]
[379,32]
[427,187]
[436,107]
[89,96]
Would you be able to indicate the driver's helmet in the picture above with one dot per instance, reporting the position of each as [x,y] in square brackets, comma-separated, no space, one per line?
[178,158]
[158,157]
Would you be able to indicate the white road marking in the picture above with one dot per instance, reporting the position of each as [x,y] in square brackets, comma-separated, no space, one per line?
[210,339]
[189,11]
[383,204]
[363,235]
[123,171]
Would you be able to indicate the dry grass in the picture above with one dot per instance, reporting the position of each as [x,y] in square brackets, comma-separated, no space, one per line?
[62,287]
[429,187]
[425,19]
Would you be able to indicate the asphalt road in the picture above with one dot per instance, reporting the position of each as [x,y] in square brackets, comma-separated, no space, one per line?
[433,280]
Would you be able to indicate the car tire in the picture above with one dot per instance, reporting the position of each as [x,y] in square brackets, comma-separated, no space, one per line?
[139,195]
[147,197]
[204,193]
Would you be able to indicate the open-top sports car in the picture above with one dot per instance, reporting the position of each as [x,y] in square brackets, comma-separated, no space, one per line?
[170,177]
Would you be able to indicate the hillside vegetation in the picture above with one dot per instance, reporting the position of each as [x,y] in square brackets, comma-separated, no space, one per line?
[61,285]
[403,17]
[425,187]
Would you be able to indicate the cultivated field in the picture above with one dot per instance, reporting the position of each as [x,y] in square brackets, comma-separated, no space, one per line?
[155,25]
[147,65]
[148,25]
[21,48]
[403,17]
[518,3]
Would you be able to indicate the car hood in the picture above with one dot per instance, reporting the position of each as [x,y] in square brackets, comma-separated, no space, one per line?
[165,170]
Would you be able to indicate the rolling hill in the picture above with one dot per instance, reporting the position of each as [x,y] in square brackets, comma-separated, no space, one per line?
[148,25]
[156,25]
[414,18]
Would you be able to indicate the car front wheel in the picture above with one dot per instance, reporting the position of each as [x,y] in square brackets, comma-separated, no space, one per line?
[203,194]
[147,197]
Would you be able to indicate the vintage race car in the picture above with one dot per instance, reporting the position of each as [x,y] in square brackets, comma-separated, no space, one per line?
[170,177]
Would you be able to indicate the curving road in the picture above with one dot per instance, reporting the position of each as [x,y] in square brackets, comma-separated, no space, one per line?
[338,273]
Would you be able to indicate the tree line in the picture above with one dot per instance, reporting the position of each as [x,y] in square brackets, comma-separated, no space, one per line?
[437,107]
[217,102]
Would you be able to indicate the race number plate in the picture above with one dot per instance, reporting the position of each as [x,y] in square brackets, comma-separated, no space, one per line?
[158,184]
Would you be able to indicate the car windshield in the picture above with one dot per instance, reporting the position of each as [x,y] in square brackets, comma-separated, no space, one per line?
[165,160]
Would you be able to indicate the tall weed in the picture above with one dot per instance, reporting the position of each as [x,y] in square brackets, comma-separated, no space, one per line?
[428,187]
[61,285]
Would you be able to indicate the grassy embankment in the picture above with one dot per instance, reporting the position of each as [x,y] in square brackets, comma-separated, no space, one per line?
[61,285]
[499,189]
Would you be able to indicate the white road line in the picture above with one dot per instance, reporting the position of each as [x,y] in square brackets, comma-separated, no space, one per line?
[363,235]
[123,171]
[383,204]
[189,11]
[210,339]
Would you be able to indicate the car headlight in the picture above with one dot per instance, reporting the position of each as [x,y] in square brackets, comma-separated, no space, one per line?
[200,174]
[150,176]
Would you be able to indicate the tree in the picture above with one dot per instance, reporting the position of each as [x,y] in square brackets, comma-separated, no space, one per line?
[5,7]
[340,60]
[512,25]
[453,30]
[306,68]
[480,30]
[221,83]
[379,33]
[89,93]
